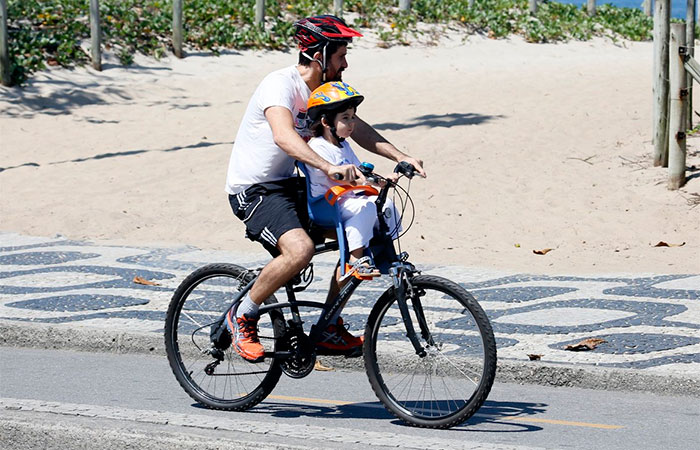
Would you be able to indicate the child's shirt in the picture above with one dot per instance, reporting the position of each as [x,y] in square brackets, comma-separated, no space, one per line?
[318,180]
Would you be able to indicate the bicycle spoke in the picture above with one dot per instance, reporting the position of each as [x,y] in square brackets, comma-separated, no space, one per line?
[441,386]
[218,380]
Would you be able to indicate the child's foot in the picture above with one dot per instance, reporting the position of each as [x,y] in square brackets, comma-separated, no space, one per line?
[362,268]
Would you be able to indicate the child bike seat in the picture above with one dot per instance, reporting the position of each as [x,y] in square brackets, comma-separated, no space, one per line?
[324,212]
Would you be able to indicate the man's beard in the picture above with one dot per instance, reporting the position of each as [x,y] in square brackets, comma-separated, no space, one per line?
[337,77]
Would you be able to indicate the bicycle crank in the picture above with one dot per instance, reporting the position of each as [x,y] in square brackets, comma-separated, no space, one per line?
[302,357]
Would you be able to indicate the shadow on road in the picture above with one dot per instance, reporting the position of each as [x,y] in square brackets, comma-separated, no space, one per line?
[505,415]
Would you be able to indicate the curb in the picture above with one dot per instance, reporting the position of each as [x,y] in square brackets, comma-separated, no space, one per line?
[31,335]
[28,435]
[79,427]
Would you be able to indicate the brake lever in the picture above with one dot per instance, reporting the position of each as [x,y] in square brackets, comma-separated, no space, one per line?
[405,169]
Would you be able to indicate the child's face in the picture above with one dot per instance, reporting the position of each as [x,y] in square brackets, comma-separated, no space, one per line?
[345,123]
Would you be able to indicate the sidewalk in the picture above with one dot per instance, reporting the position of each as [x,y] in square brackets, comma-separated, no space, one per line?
[58,293]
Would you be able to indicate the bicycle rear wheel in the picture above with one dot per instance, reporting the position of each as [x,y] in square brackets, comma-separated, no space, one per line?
[232,383]
[451,382]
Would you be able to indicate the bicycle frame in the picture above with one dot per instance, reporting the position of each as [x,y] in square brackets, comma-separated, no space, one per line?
[399,270]
[444,325]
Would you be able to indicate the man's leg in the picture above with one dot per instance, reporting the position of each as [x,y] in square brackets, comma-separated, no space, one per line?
[296,249]
[336,337]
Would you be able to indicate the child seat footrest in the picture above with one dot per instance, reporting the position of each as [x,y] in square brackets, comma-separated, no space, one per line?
[362,269]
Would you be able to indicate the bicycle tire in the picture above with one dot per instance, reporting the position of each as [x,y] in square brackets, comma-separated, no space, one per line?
[460,364]
[199,301]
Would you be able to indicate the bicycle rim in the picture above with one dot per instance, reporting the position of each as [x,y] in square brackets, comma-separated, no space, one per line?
[451,382]
[198,303]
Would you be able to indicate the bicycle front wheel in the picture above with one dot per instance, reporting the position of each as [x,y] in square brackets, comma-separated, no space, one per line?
[230,383]
[451,381]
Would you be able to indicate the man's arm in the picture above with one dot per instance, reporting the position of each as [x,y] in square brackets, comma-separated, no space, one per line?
[368,138]
[286,137]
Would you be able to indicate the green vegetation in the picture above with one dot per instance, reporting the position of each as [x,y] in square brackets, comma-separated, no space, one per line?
[50,32]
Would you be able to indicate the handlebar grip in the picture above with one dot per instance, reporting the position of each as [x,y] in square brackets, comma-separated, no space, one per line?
[406,169]
[338,176]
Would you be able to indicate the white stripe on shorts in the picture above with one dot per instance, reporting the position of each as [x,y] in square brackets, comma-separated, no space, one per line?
[268,236]
[241,199]
[252,211]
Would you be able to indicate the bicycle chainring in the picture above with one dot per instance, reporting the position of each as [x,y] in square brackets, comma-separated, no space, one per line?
[303,358]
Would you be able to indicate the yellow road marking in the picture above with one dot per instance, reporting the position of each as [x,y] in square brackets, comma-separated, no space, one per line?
[515,419]
[310,400]
[564,422]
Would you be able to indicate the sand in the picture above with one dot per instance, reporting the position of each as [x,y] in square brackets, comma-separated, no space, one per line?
[527,147]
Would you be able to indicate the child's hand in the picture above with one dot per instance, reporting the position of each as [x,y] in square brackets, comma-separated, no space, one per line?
[393,178]
[347,173]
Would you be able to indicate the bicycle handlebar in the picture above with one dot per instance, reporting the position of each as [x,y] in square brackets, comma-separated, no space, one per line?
[403,168]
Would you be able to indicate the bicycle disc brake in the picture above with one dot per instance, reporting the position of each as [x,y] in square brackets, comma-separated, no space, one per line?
[302,359]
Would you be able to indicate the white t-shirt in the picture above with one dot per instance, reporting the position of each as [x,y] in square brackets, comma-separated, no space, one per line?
[255,157]
[319,181]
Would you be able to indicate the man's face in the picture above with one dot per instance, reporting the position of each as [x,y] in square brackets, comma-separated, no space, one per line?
[336,64]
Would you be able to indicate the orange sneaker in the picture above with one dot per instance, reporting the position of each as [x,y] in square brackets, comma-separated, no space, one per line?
[338,338]
[245,337]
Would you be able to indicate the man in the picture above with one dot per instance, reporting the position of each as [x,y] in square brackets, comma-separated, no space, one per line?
[262,188]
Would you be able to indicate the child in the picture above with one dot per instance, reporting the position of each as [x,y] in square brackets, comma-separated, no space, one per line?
[332,108]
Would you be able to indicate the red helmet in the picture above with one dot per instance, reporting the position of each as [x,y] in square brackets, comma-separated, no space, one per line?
[317,31]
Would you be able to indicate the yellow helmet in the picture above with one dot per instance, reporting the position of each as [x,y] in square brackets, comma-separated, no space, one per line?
[332,97]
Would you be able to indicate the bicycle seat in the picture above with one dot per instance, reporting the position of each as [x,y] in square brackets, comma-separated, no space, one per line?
[324,212]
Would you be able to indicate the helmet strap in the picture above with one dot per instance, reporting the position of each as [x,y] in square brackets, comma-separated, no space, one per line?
[331,126]
[335,135]
[322,62]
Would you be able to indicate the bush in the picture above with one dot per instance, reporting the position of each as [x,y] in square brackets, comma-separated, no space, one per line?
[50,32]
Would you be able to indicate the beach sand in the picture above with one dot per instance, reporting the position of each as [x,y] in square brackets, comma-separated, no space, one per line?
[527,147]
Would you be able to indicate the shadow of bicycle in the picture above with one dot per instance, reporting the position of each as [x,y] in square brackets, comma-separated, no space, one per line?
[493,416]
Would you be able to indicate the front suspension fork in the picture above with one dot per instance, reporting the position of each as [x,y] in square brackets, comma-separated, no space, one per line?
[400,278]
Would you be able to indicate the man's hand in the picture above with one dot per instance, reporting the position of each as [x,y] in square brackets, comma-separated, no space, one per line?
[417,163]
[347,173]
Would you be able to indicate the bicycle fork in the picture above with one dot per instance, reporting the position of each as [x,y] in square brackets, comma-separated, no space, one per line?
[400,277]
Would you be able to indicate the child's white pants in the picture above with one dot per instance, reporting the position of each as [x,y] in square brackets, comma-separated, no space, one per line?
[359,215]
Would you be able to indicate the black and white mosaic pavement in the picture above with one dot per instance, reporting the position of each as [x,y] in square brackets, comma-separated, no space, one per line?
[650,322]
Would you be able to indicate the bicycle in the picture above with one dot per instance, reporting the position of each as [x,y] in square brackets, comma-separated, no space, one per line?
[429,350]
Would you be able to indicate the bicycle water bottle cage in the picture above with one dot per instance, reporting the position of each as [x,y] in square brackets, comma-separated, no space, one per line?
[324,212]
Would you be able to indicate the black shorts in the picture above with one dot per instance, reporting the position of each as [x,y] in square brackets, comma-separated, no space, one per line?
[271,209]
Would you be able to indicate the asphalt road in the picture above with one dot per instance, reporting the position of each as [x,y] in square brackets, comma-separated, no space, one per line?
[93,390]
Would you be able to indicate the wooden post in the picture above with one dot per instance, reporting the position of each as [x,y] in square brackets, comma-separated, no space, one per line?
[404,5]
[690,42]
[95,35]
[338,8]
[533,6]
[660,90]
[260,13]
[677,109]
[5,75]
[178,32]
[591,8]
[646,5]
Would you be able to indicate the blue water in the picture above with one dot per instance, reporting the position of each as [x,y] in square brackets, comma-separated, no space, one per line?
[677,6]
